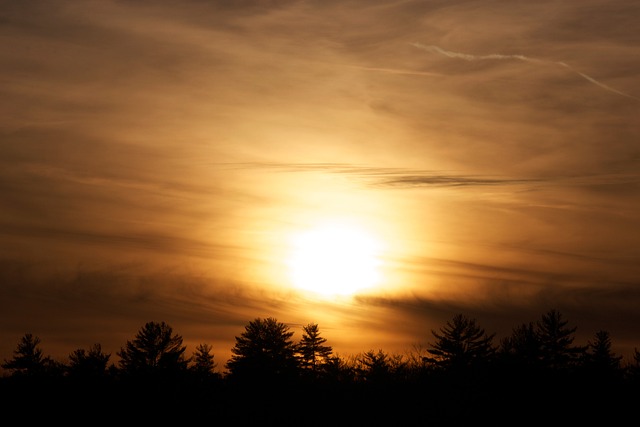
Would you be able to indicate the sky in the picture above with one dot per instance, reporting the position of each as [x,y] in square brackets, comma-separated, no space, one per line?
[159,160]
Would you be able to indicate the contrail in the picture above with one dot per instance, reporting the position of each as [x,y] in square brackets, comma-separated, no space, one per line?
[469,57]
[595,82]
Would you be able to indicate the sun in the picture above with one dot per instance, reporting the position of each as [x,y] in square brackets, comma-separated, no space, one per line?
[334,259]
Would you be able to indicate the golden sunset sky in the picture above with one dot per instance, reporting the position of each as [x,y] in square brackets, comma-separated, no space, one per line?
[163,160]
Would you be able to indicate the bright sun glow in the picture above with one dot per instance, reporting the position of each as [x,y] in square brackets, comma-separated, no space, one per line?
[334,260]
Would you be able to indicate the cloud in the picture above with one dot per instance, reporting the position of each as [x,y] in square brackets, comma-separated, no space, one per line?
[620,183]
[108,304]
[470,57]
[393,177]
[397,71]
[504,297]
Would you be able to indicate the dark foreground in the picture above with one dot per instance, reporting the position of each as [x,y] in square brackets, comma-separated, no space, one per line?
[501,401]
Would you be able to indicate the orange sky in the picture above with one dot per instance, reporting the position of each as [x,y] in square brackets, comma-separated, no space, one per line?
[156,159]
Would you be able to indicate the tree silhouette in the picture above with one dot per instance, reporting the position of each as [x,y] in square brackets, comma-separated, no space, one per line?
[539,367]
[523,348]
[154,350]
[88,364]
[313,354]
[264,351]
[340,369]
[600,359]
[202,361]
[460,344]
[632,369]
[374,367]
[29,360]
[556,341]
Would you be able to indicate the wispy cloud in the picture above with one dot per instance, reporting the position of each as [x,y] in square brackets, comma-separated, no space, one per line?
[397,71]
[393,177]
[497,56]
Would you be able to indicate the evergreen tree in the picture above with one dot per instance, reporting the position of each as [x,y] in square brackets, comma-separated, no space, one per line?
[556,341]
[202,362]
[374,367]
[600,360]
[29,359]
[154,350]
[312,351]
[340,370]
[264,351]
[460,344]
[632,369]
[523,348]
[88,364]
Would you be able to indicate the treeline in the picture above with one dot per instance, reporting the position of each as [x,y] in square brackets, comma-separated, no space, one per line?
[463,374]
